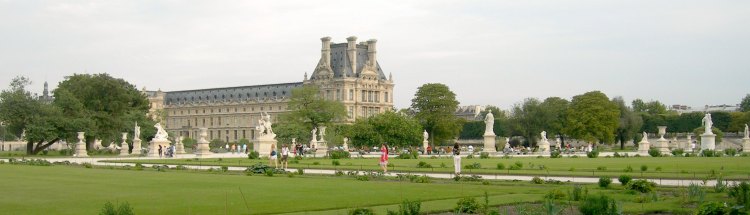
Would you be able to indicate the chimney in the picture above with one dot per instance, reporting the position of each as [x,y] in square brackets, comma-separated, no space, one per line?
[351,51]
[325,52]
[372,51]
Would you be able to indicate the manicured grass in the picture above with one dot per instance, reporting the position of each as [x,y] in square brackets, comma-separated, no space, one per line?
[78,190]
[661,167]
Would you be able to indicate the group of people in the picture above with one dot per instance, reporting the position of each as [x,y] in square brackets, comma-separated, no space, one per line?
[168,152]
[273,157]
[234,148]
[456,158]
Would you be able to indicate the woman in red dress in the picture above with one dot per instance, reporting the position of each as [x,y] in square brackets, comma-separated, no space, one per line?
[384,157]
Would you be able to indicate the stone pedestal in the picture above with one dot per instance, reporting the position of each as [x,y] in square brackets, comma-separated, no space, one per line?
[179,147]
[136,147]
[263,146]
[124,145]
[708,141]
[489,143]
[663,146]
[643,147]
[321,148]
[544,147]
[81,146]
[202,148]
[153,147]
[746,145]
[426,143]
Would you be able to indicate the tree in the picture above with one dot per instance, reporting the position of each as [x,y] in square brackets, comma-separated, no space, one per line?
[103,106]
[745,103]
[592,117]
[527,120]
[651,107]
[389,127]
[721,120]
[554,113]
[434,105]
[630,122]
[308,110]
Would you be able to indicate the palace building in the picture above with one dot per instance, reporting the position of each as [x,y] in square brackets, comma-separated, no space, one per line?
[347,72]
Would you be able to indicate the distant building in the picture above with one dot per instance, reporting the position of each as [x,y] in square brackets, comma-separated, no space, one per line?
[46,98]
[347,72]
[708,108]
[469,112]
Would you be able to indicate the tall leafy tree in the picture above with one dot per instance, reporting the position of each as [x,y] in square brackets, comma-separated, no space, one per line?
[434,106]
[592,117]
[651,107]
[106,105]
[630,123]
[745,103]
[527,120]
[394,128]
[308,109]
[554,116]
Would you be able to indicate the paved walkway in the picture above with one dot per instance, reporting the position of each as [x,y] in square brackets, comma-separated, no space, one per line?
[98,161]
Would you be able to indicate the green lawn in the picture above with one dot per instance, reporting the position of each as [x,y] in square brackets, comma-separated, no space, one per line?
[78,190]
[670,167]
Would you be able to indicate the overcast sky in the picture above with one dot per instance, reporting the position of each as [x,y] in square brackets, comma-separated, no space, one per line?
[487,52]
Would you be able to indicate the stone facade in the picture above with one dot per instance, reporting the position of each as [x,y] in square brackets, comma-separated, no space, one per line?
[347,72]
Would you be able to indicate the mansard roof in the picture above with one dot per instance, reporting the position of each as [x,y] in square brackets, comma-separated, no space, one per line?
[340,61]
[232,94]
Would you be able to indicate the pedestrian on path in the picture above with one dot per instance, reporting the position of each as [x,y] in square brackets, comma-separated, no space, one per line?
[272,158]
[384,157]
[285,157]
[457,159]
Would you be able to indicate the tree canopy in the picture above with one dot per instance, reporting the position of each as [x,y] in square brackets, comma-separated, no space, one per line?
[629,124]
[307,109]
[745,103]
[434,106]
[389,127]
[527,119]
[593,117]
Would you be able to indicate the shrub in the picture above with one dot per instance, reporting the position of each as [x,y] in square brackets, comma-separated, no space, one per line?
[555,194]
[361,211]
[593,154]
[467,205]
[500,166]
[473,166]
[422,179]
[405,156]
[87,165]
[224,168]
[316,163]
[710,153]
[599,205]
[336,163]
[537,180]
[712,208]
[641,185]
[253,155]
[678,152]
[624,179]
[123,209]
[269,173]
[578,193]
[696,192]
[300,171]
[519,164]
[362,177]
[604,181]
[408,208]
[730,152]
[601,168]
[484,155]
[470,156]
[654,152]
[628,169]
[339,154]
[555,154]
[741,193]
[423,164]
[644,168]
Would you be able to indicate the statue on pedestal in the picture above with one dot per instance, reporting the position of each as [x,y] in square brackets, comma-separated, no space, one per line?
[645,138]
[314,138]
[137,132]
[544,136]
[161,134]
[489,124]
[707,124]
[425,135]
[264,124]
[747,135]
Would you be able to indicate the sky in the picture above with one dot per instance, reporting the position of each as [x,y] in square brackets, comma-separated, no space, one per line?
[488,52]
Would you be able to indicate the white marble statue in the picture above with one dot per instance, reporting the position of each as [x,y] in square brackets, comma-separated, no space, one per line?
[346,143]
[314,138]
[707,123]
[137,132]
[747,135]
[544,136]
[645,138]
[161,134]
[489,124]
[322,134]
[264,124]
[425,135]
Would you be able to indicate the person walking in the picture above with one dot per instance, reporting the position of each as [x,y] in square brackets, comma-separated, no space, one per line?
[384,157]
[272,158]
[159,150]
[285,157]
[457,159]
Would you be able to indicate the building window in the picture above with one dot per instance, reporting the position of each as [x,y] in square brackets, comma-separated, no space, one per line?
[377,96]
[211,133]
[351,112]
[364,112]
[363,95]
[386,97]
[338,94]
[235,134]
[351,95]
[204,122]
[244,136]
